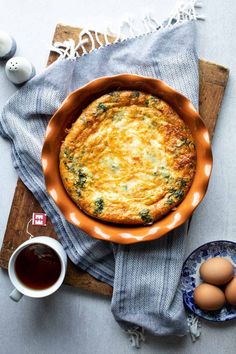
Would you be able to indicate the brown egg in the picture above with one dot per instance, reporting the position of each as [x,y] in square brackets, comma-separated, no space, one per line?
[217,271]
[208,297]
[230,292]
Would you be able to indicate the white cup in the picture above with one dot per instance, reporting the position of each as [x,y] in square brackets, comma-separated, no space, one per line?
[20,288]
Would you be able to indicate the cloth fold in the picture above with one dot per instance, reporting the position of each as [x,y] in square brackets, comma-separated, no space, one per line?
[154,268]
[145,276]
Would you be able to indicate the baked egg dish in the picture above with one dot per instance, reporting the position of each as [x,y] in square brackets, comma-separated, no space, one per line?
[129,158]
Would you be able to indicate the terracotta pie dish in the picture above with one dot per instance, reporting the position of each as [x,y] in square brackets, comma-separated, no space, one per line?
[66,115]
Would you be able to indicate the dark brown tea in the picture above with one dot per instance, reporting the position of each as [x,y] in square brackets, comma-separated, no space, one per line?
[38,266]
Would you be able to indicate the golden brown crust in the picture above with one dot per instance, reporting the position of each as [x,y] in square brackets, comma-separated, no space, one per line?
[129,158]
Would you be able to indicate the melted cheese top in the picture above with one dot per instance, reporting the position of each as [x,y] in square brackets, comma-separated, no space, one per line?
[129,158]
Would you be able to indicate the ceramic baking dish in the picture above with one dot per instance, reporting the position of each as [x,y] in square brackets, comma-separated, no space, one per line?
[69,111]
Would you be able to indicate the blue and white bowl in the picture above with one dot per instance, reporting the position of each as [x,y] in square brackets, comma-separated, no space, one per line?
[190,277]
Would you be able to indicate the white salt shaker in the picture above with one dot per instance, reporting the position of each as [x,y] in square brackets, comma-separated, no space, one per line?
[7,45]
[19,70]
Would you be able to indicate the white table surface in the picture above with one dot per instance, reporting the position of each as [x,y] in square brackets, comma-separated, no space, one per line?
[71,320]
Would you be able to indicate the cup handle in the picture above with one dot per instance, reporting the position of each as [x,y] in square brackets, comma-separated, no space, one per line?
[15,295]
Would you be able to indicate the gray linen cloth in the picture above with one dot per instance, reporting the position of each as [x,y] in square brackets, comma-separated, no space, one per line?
[145,276]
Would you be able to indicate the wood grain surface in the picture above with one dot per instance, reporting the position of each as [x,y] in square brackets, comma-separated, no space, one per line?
[213,81]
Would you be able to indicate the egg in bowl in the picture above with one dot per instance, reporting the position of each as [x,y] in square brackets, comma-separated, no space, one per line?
[128,158]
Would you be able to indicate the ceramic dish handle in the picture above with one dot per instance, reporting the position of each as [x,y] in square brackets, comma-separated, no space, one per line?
[15,295]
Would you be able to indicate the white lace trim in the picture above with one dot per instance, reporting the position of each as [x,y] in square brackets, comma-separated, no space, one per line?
[129,28]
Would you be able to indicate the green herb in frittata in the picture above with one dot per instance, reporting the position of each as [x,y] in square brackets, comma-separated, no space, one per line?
[170,201]
[155,173]
[184,141]
[99,205]
[115,95]
[135,94]
[66,152]
[69,165]
[182,182]
[178,194]
[81,178]
[175,195]
[149,101]
[146,216]
[102,107]
[165,174]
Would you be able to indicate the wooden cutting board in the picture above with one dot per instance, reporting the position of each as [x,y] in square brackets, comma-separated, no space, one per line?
[213,80]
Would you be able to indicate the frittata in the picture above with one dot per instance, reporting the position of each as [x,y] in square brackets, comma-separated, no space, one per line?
[129,158]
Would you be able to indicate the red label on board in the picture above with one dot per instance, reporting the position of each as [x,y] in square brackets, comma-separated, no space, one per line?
[39,219]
